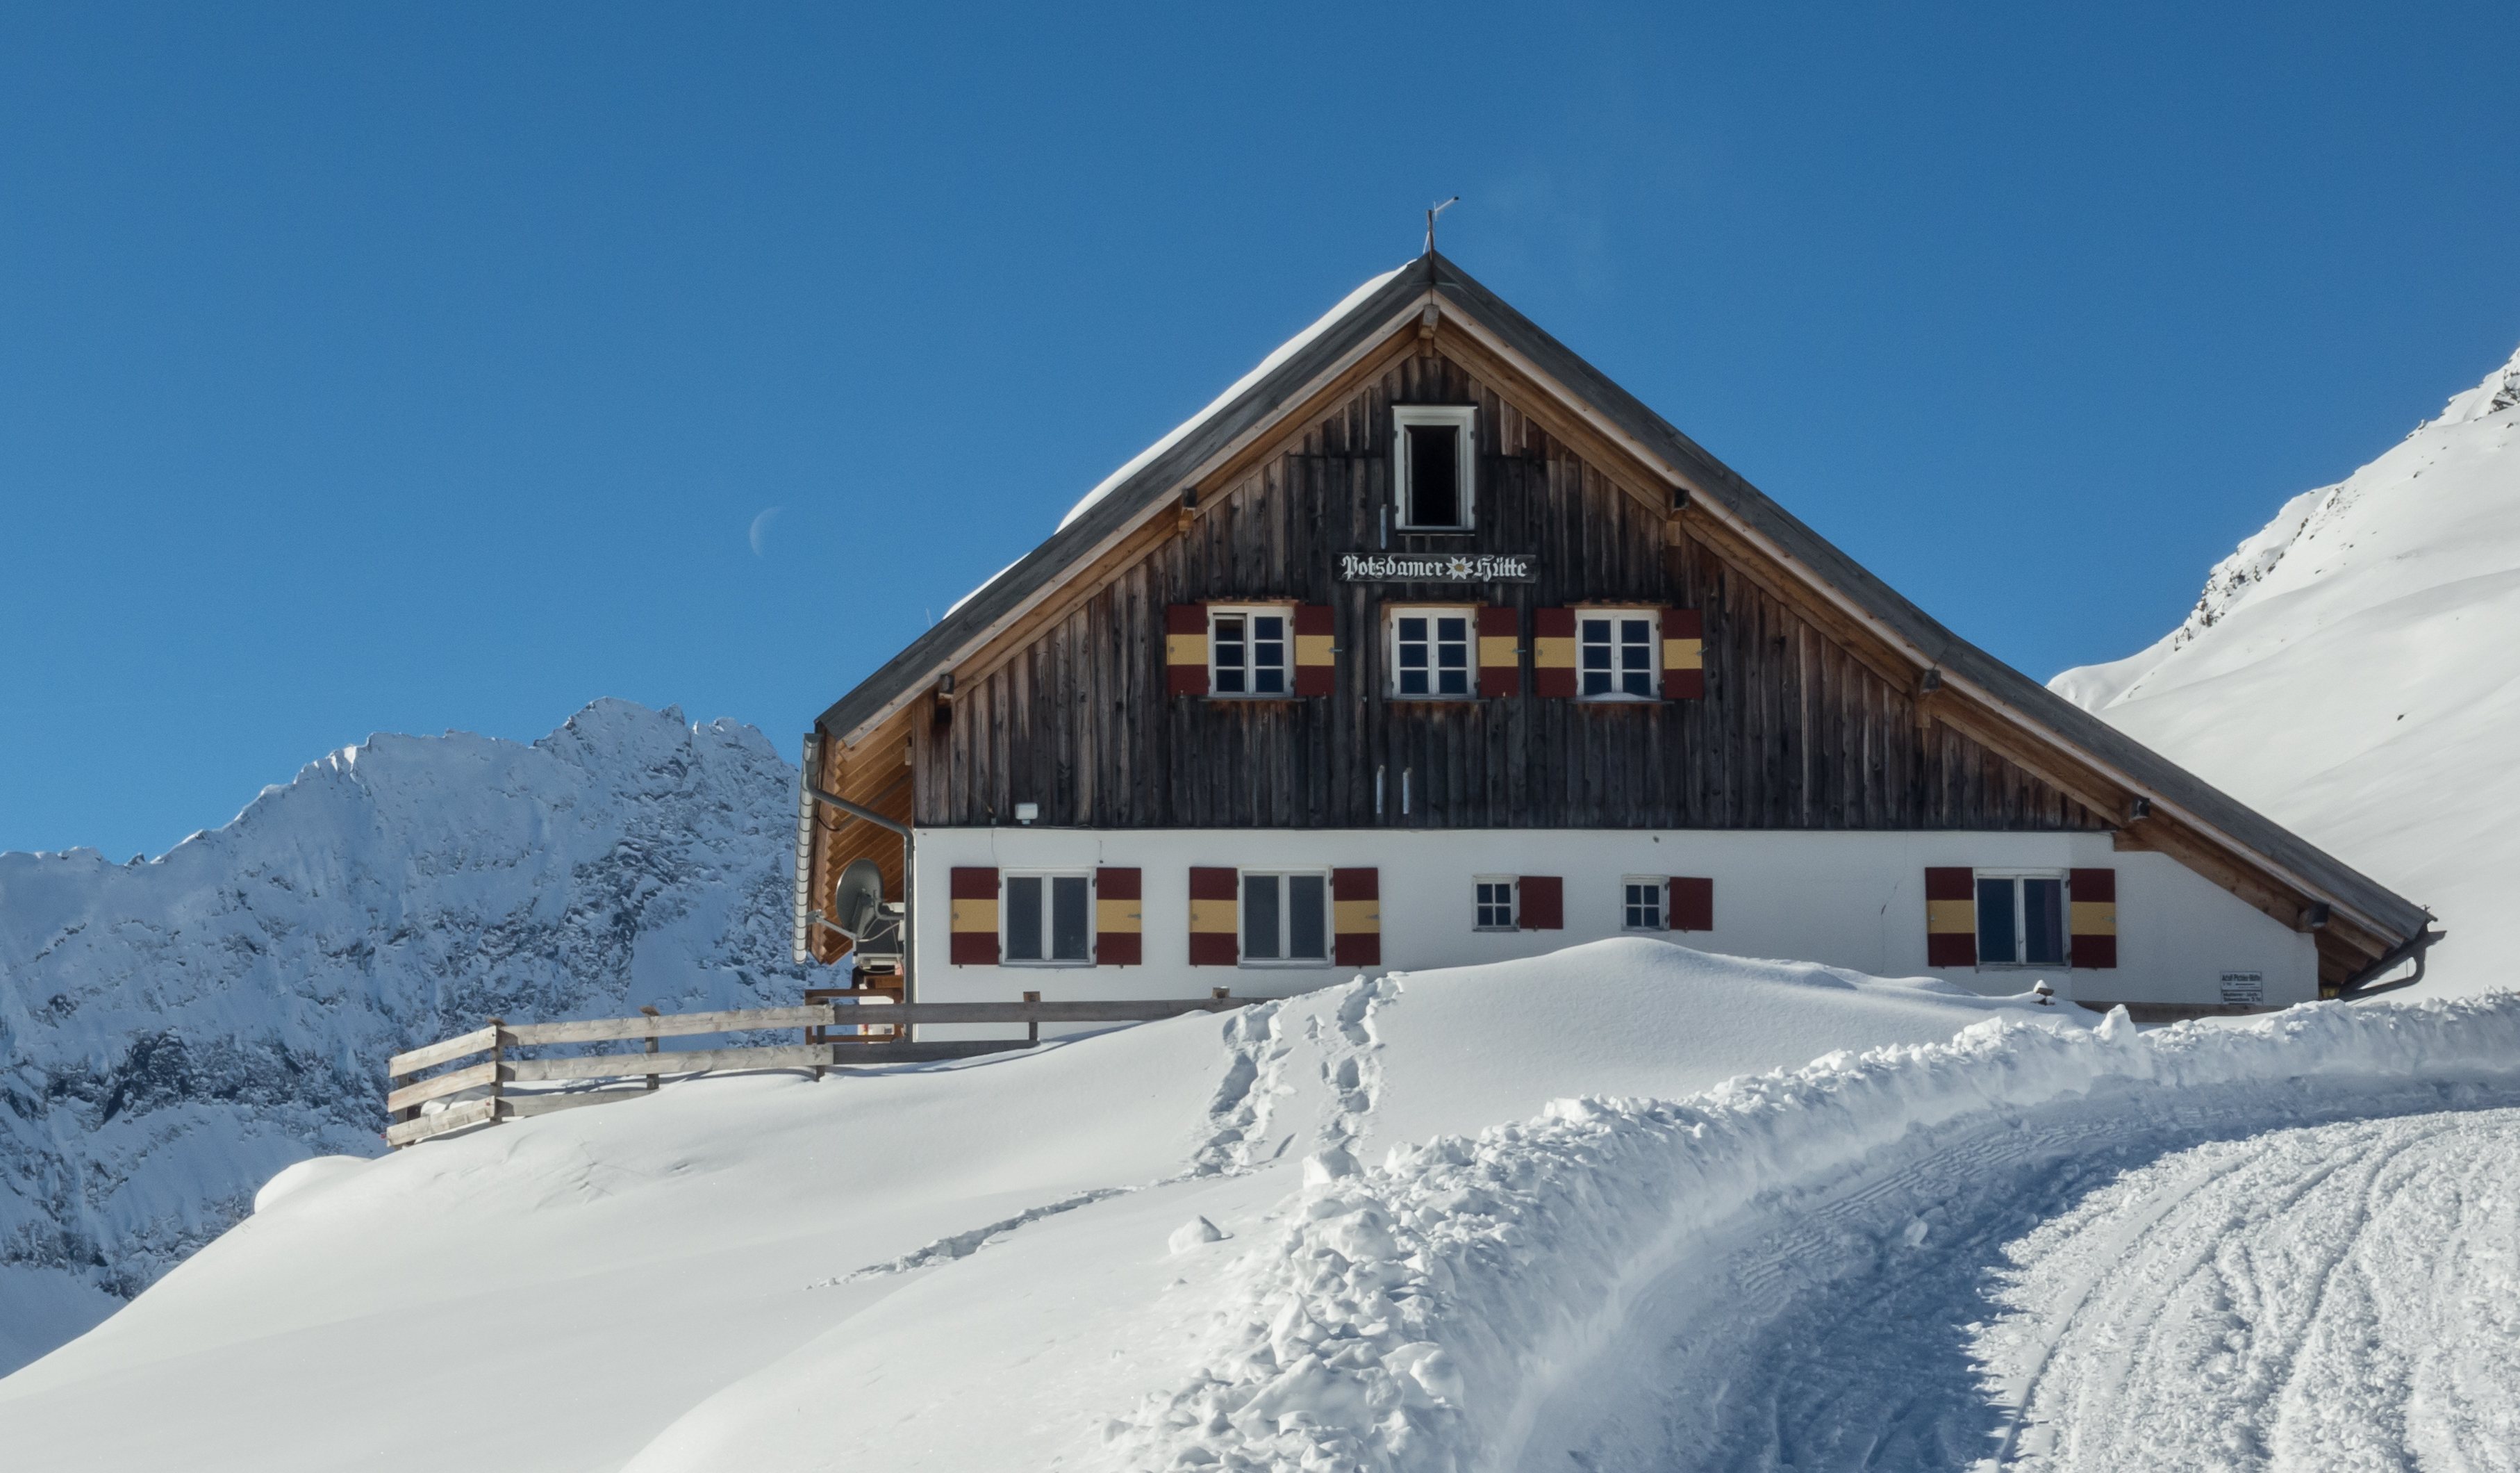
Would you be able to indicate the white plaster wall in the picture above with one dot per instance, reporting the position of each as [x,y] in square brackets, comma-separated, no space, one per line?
[1850,899]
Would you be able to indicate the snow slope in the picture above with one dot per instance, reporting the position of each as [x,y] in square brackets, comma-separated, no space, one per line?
[2351,671]
[176,1031]
[1171,1246]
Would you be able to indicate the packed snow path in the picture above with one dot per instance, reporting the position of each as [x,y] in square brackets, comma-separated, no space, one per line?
[2199,1291]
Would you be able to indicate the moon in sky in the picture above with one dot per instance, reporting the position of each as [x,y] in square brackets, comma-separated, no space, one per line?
[760,529]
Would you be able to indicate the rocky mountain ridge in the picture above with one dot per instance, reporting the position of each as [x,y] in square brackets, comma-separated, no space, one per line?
[174,1031]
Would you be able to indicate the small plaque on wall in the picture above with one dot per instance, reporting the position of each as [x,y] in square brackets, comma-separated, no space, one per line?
[1437,568]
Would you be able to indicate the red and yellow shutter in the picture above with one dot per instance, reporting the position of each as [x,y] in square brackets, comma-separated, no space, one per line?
[1119,920]
[1214,924]
[1951,918]
[1683,657]
[1500,652]
[2092,901]
[1356,910]
[1693,903]
[1185,649]
[1552,652]
[1315,667]
[1540,902]
[974,894]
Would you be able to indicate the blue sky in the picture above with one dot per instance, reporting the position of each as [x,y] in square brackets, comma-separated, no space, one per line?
[407,368]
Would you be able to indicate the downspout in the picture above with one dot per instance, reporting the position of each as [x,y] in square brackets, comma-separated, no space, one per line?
[2416,946]
[801,941]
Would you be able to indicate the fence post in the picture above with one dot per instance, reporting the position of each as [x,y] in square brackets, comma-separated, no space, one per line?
[650,1010]
[498,1067]
[1032,1028]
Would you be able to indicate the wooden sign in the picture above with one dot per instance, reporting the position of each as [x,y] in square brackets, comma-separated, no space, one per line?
[1437,568]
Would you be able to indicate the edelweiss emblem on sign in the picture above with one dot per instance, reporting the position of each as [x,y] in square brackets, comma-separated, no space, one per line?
[1457,567]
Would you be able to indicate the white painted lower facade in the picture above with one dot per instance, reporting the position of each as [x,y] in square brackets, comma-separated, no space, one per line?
[1852,899]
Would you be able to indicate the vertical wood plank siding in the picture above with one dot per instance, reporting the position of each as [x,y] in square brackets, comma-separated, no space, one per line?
[1793,732]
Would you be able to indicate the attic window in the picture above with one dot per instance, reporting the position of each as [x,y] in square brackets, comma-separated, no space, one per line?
[1433,454]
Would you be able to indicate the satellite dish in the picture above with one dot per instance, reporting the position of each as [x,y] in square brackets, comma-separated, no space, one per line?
[859,902]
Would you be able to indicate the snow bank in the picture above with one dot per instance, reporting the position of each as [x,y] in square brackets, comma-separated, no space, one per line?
[2350,671]
[1416,1316]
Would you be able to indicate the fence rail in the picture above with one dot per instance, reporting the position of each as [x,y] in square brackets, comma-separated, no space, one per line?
[476,1092]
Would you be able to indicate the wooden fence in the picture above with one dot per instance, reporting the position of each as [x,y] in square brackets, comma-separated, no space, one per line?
[475,1093]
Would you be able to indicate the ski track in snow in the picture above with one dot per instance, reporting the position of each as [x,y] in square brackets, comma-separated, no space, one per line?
[2276,1245]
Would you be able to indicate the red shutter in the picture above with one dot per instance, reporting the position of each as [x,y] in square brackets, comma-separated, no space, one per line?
[1356,910]
[1552,652]
[1500,652]
[1315,667]
[1215,929]
[1693,903]
[973,895]
[2091,900]
[1951,918]
[1684,656]
[1185,649]
[1540,902]
[1119,919]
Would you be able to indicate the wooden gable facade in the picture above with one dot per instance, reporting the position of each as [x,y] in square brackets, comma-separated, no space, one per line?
[1817,711]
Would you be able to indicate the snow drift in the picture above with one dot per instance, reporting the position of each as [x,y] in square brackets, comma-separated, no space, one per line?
[2350,671]
[1161,1247]
[173,1031]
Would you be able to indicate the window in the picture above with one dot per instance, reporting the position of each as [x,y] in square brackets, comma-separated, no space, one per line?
[1049,920]
[1246,652]
[1430,652]
[1286,917]
[1641,906]
[1618,654]
[1433,451]
[2021,920]
[1495,903]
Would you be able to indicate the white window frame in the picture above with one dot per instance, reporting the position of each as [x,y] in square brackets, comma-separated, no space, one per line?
[2020,912]
[1512,885]
[1394,612]
[1465,420]
[1660,885]
[1250,672]
[1654,652]
[1048,931]
[1285,918]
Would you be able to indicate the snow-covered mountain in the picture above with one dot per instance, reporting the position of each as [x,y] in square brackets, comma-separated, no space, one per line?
[2354,670]
[173,1031]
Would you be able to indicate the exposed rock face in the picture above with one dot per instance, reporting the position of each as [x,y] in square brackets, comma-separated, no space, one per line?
[174,1032]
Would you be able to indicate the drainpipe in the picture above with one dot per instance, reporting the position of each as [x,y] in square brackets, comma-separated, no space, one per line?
[2416,946]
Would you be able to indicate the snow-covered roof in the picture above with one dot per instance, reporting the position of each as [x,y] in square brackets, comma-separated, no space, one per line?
[1381,307]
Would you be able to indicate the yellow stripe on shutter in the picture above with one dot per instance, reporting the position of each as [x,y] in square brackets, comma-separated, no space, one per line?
[1947,916]
[976,915]
[1214,917]
[1684,654]
[1118,916]
[2094,918]
[1356,917]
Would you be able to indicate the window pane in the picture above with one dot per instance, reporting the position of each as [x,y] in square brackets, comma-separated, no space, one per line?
[1307,918]
[2043,920]
[1997,936]
[1595,647]
[1230,656]
[1024,918]
[1643,907]
[1453,656]
[1067,911]
[1434,476]
[1635,657]
[1269,655]
[1260,917]
[1494,904]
